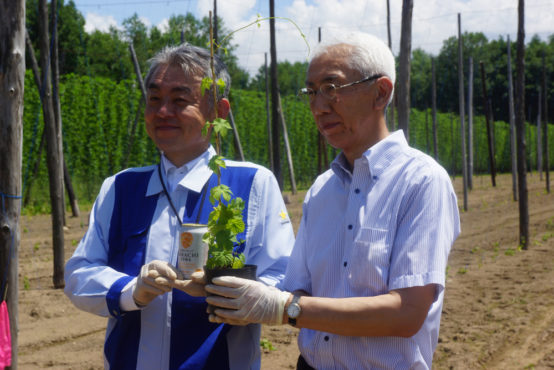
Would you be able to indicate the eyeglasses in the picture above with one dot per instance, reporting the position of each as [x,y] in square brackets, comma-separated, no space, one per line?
[329,90]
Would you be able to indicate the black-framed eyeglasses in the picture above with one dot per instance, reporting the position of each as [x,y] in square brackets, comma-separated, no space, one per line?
[329,90]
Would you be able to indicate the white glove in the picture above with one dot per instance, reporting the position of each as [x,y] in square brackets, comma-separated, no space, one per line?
[155,278]
[193,287]
[248,301]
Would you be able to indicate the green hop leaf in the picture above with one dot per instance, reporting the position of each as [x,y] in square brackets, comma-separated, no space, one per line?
[220,82]
[221,126]
[216,163]
[239,261]
[205,129]
[206,84]
[236,225]
[220,191]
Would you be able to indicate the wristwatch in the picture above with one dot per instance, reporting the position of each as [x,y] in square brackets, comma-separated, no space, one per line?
[294,310]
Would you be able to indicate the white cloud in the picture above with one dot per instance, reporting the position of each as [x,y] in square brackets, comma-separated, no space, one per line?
[99,22]
[433,21]
[163,26]
[146,21]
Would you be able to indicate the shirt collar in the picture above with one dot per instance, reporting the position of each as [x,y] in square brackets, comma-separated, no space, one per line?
[378,157]
[197,173]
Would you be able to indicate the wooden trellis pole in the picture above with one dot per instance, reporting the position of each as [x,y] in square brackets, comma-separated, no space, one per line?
[520,125]
[53,160]
[268,115]
[470,125]
[512,122]
[58,111]
[434,104]
[390,120]
[404,68]
[287,146]
[67,178]
[274,97]
[546,160]
[12,82]
[539,133]
[462,108]
[488,122]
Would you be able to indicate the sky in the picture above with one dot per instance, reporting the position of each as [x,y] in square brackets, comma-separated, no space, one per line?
[433,21]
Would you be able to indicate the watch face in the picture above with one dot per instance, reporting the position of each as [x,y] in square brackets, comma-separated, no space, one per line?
[293,310]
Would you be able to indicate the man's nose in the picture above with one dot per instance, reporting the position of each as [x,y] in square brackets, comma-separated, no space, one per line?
[165,108]
[320,104]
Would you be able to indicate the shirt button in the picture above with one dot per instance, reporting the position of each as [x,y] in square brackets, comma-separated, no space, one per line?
[350,227]
[326,338]
[357,191]
[375,177]
[345,263]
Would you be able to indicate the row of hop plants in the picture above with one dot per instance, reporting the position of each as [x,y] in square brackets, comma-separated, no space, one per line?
[98,116]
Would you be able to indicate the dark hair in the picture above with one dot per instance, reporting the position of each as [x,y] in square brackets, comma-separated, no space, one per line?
[193,60]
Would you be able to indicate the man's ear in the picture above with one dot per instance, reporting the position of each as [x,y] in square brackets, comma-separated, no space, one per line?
[384,91]
[223,108]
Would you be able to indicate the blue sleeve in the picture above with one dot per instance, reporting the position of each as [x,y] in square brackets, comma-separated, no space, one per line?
[88,279]
[270,236]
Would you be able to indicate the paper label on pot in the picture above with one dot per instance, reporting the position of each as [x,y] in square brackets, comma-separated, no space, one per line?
[193,252]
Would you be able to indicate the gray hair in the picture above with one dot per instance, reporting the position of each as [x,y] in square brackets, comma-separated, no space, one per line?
[193,60]
[367,54]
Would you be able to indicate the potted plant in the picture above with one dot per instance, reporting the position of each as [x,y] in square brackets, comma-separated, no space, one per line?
[225,221]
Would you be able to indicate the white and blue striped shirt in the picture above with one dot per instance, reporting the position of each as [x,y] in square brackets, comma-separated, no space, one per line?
[389,224]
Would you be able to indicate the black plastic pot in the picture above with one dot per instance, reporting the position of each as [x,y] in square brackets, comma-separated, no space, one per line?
[246,272]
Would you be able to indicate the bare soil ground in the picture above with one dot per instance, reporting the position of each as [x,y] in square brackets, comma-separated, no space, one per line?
[499,300]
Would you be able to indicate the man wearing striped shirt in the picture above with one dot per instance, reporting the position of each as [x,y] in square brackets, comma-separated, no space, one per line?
[367,272]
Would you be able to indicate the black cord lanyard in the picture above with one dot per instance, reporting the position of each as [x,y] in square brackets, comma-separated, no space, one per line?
[204,191]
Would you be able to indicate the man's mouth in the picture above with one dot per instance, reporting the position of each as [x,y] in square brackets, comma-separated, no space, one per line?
[328,126]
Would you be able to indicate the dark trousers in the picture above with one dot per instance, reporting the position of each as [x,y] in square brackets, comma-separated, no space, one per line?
[302,364]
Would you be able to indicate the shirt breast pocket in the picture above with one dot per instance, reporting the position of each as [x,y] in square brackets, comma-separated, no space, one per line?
[370,261]
[132,255]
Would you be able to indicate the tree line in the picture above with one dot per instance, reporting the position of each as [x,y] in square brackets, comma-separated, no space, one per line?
[106,54]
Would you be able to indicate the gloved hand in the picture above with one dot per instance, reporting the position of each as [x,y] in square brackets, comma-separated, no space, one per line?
[155,278]
[242,301]
[193,287]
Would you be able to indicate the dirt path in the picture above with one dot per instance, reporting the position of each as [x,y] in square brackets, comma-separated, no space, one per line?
[499,302]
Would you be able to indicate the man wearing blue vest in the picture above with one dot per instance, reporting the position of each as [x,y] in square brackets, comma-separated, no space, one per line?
[124,266]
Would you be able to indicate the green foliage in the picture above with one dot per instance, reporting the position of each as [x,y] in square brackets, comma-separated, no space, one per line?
[291,77]
[493,55]
[510,252]
[221,127]
[224,224]
[225,221]
[98,115]
[266,345]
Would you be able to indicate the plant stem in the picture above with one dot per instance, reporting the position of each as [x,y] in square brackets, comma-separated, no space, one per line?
[214,88]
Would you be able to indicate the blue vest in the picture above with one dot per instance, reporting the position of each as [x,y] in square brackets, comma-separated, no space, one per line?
[195,342]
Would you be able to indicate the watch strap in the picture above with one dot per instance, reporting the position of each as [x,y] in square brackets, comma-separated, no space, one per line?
[295,299]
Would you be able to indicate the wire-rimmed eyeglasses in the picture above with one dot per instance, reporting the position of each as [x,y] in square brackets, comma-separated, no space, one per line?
[329,90]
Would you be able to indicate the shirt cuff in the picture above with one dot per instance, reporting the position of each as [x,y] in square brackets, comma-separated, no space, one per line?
[126,301]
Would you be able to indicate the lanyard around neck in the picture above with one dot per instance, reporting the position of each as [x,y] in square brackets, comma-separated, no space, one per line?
[204,191]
